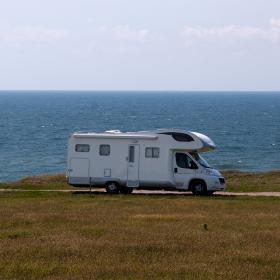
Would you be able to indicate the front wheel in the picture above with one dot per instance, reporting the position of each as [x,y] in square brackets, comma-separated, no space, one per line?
[112,188]
[199,188]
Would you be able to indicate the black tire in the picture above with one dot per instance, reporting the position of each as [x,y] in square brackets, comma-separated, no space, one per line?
[126,190]
[199,188]
[112,188]
[209,192]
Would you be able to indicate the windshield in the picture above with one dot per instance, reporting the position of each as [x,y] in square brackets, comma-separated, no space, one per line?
[200,160]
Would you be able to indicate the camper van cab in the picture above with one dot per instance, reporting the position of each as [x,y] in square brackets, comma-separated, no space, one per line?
[160,159]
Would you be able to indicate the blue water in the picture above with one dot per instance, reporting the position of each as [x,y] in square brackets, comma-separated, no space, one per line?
[34,126]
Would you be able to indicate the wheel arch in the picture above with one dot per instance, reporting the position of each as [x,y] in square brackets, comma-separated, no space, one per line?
[195,180]
[112,181]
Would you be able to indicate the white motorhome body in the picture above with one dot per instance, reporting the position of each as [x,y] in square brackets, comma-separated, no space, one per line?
[145,159]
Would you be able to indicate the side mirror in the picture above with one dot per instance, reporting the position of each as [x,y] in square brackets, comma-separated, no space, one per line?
[175,170]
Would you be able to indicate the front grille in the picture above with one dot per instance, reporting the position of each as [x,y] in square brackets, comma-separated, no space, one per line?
[222,180]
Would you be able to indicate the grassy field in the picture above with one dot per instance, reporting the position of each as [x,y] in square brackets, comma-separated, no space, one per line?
[252,182]
[83,236]
[236,182]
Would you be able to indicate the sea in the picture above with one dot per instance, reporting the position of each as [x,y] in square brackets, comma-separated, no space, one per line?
[35,125]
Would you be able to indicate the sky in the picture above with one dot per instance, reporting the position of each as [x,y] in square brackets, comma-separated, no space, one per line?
[140,45]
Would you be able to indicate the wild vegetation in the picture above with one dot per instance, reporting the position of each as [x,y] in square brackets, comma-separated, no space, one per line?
[238,181]
[54,235]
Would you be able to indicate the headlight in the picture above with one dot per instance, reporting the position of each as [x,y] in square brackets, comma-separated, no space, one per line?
[210,172]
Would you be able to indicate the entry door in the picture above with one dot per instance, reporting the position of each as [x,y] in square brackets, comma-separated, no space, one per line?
[184,169]
[133,166]
[79,169]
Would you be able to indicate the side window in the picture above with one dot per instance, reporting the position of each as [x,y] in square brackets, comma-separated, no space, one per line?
[152,152]
[104,150]
[180,160]
[149,152]
[181,137]
[155,152]
[131,154]
[184,161]
[82,148]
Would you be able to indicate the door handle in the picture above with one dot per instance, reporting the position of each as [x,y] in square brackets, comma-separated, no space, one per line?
[175,170]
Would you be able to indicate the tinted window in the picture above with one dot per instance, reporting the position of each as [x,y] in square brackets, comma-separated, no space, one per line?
[149,152]
[131,154]
[82,148]
[155,152]
[104,150]
[181,137]
[152,152]
[184,161]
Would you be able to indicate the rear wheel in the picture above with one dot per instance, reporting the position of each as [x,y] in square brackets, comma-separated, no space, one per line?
[199,188]
[125,190]
[209,192]
[112,188]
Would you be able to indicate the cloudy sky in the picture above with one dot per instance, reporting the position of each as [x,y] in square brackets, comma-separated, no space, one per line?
[140,45]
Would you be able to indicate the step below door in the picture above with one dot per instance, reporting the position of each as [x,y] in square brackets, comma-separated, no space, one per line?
[133,166]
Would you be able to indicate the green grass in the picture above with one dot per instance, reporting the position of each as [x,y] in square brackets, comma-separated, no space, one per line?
[236,182]
[82,236]
[252,182]
[42,182]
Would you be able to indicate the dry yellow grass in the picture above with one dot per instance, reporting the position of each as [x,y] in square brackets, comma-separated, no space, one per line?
[43,179]
[70,236]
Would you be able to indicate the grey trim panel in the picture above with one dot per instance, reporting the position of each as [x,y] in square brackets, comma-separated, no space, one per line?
[156,183]
[95,181]
[132,184]
[79,180]
[103,180]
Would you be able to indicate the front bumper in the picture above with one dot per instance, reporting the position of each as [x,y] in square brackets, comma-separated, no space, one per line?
[217,184]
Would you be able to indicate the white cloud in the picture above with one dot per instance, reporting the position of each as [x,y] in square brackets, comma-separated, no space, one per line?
[125,33]
[275,23]
[233,32]
[35,34]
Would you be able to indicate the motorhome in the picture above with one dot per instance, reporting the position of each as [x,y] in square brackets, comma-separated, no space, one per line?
[159,159]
